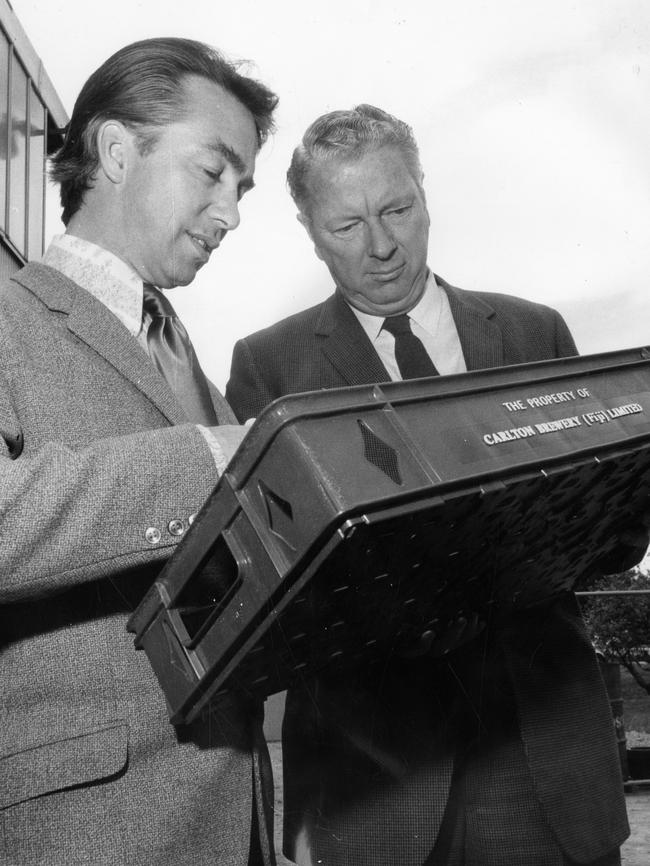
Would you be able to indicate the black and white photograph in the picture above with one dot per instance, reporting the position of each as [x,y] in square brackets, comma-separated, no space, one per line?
[325,433]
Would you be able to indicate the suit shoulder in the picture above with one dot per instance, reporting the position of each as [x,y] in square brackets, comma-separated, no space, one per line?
[506,304]
[287,328]
[18,307]
[12,294]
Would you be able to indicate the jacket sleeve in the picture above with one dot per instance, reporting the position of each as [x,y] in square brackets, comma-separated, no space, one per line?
[247,391]
[68,516]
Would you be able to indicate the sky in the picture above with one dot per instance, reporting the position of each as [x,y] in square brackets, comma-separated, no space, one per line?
[533,120]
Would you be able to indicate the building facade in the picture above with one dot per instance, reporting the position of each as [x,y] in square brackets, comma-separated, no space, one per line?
[31,122]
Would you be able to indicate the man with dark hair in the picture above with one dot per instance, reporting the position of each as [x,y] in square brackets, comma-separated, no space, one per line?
[142,86]
[484,747]
[111,438]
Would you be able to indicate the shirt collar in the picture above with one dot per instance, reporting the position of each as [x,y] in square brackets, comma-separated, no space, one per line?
[100,272]
[426,312]
[428,309]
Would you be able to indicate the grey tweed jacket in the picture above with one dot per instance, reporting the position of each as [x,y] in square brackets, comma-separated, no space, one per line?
[95,450]
[377,770]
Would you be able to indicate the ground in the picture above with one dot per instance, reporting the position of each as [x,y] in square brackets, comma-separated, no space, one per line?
[636,716]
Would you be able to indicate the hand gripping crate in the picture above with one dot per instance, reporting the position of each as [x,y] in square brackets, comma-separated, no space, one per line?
[351,522]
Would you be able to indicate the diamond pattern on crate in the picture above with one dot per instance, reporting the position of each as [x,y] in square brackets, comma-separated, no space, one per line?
[380,453]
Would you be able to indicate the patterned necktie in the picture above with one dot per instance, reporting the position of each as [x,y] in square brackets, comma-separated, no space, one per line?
[171,351]
[411,356]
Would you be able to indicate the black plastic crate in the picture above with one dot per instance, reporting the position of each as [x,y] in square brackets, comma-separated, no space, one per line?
[352,521]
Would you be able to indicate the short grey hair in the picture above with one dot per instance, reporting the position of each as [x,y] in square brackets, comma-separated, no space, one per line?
[349,134]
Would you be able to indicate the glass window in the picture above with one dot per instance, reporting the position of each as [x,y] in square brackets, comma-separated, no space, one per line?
[4,110]
[37,122]
[17,156]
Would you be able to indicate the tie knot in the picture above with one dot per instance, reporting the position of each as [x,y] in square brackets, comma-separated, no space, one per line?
[156,304]
[399,324]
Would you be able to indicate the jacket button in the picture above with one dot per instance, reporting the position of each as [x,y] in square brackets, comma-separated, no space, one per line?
[176,527]
[152,535]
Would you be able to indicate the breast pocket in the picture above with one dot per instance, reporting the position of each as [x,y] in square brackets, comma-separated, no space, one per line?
[79,760]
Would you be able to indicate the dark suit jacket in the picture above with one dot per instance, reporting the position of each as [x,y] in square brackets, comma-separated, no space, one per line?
[400,773]
[91,770]
[326,347]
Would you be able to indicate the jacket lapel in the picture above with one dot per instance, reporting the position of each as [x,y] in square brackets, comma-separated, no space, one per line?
[99,329]
[480,336]
[346,345]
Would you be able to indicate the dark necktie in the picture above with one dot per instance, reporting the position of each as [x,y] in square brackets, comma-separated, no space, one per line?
[411,356]
[171,351]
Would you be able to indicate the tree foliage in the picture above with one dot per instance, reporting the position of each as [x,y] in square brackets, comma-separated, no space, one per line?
[620,624]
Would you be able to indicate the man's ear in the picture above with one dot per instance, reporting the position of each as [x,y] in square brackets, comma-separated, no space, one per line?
[114,143]
[306,223]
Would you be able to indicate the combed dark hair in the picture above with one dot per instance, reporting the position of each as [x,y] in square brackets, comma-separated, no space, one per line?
[349,135]
[141,86]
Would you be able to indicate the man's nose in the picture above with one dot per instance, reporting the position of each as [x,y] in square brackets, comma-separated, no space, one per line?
[381,244]
[224,209]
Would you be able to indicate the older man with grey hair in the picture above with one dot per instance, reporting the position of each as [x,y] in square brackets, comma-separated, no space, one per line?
[490,746]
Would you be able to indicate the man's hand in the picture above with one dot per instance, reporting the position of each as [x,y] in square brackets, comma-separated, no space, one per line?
[230,437]
[225,440]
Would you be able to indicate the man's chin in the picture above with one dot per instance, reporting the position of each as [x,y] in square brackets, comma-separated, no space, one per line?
[387,301]
[182,278]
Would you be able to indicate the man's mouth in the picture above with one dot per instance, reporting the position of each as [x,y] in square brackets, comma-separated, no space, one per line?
[203,243]
[387,276]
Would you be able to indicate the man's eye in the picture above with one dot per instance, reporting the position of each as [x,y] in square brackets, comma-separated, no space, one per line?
[213,175]
[344,230]
[398,211]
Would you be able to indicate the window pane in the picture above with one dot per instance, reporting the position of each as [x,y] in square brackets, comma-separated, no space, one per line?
[36,175]
[17,156]
[4,98]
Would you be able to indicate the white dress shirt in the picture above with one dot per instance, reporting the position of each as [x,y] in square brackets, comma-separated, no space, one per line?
[432,322]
